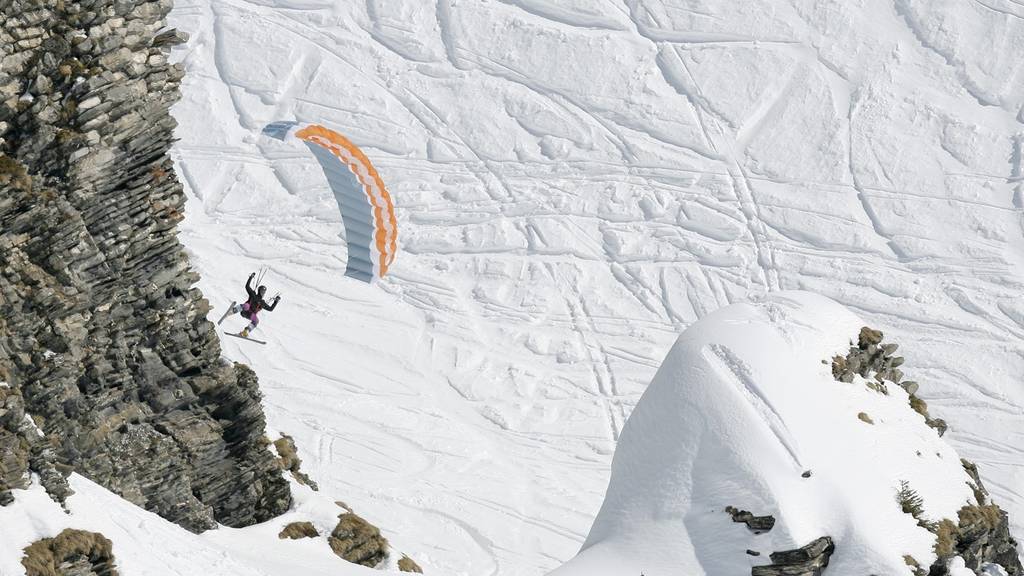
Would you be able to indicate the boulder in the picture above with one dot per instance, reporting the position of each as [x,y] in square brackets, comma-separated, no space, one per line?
[758,524]
[808,560]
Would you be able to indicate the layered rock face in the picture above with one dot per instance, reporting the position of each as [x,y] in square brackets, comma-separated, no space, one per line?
[104,340]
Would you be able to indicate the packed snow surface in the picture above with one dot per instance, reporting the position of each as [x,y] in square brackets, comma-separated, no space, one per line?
[740,409]
[577,182]
[145,544]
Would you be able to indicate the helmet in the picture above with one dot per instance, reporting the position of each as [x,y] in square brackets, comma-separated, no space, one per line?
[261,290]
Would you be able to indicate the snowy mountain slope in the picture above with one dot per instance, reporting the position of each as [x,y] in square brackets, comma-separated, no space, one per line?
[145,544]
[737,414]
[577,182]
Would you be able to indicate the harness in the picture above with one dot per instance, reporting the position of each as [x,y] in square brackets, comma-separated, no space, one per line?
[255,304]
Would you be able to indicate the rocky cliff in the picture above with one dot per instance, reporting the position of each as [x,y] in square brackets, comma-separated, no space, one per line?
[110,366]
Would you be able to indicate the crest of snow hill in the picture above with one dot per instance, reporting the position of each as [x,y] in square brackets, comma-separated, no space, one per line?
[781,438]
[108,366]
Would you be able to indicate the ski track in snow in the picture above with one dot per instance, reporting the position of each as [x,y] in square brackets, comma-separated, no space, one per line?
[576,183]
[734,369]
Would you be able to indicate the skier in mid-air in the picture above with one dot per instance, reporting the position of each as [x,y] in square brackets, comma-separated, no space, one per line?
[252,306]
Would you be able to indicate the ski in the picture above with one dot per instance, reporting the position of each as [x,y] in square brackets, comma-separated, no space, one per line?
[244,337]
[228,313]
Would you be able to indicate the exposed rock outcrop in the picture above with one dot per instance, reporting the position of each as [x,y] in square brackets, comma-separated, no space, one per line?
[981,533]
[980,536]
[70,553]
[24,450]
[758,524]
[14,444]
[877,363]
[104,336]
[809,560]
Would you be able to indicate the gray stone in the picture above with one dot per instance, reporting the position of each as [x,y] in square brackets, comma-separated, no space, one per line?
[938,424]
[170,38]
[89,103]
[910,386]
[758,524]
[103,337]
[808,560]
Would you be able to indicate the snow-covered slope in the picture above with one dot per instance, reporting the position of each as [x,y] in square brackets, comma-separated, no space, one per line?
[145,544]
[577,182]
[741,408]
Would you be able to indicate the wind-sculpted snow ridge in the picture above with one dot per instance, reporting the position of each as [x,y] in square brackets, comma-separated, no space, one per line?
[745,413]
[577,182]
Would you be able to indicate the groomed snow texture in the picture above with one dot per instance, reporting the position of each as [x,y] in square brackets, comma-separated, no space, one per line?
[577,182]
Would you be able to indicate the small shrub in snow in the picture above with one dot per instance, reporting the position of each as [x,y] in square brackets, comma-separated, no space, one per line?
[911,503]
[297,530]
[407,564]
[915,565]
[865,418]
[945,539]
[13,173]
[988,516]
[288,459]
[70,552]
[868,337]
[919,406]
[357,541]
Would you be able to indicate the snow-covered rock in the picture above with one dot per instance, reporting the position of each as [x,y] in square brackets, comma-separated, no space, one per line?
[745,412]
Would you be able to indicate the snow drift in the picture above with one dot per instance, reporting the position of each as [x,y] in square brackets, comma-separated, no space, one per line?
[741,409]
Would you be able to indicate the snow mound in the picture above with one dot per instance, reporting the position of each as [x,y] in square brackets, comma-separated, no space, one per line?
[741,408]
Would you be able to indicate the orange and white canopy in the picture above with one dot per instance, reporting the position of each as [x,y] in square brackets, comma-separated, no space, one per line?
[367,211]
